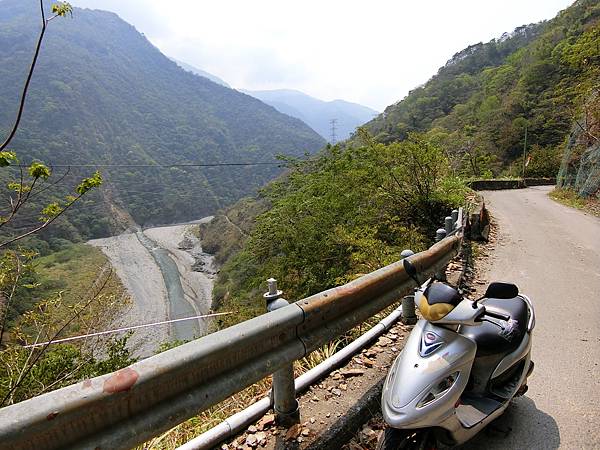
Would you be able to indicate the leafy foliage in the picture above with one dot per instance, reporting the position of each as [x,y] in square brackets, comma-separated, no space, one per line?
[89,183]
[342,214]
[478,105]
[102,94]
[61,9]
[7,158]
[67,293]
[39,170]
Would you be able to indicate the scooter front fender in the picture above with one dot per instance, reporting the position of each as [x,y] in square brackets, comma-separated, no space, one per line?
[413,376]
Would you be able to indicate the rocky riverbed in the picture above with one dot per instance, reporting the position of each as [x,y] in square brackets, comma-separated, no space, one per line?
[168,276]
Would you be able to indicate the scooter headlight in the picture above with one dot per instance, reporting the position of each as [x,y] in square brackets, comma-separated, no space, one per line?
[438,390]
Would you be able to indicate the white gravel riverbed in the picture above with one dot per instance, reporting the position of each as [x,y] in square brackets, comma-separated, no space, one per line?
[142,278]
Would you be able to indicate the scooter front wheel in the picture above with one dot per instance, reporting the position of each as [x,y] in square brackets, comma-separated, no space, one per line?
[394,439]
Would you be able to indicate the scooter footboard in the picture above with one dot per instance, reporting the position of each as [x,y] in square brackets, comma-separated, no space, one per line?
[423,386]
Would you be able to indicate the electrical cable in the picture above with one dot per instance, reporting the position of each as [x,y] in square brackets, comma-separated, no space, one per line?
[117,330]
[160,166]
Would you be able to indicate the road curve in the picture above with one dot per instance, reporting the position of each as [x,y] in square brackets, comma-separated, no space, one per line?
[552,252]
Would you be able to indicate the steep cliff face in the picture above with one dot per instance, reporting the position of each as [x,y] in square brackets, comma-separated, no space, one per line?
[580,168]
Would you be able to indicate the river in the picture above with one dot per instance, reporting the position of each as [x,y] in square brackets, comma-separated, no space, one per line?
[167,277]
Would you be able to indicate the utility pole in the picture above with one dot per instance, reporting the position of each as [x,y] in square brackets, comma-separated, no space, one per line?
[524,150]
[333,123]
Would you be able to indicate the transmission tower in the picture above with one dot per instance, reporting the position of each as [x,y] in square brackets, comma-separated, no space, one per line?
[333,123]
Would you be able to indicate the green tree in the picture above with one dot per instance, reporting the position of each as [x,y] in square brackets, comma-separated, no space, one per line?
[344,213]
[25,372]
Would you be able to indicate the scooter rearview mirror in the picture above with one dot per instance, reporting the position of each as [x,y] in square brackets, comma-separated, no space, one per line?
[411,270]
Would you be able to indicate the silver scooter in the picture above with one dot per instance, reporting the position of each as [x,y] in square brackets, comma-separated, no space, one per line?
[460,367]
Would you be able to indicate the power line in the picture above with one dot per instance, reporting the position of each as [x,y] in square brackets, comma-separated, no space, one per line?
[117,330]
[163,166]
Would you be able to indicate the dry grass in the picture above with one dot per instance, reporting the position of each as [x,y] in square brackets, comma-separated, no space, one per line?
[188,430]
[570,198]
[213,416]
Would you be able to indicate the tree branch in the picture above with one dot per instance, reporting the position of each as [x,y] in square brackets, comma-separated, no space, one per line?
[95,295]
[9,299]
[42,226]
[29,75]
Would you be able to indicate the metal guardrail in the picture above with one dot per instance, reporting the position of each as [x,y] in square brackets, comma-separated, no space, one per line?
[132,405]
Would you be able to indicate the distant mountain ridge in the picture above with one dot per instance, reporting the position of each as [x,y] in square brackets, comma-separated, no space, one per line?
[314,112]
[318,113]
[200,72]
[102,94]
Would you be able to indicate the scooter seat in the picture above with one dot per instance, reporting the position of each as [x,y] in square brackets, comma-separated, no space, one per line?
[501,336]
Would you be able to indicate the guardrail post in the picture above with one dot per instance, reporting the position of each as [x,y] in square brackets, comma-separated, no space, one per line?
[439,235]
[449,224]
[455,218]
[409,316]
[285,404]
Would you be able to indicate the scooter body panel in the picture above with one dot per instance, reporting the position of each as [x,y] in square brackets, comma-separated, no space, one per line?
[415,373]
[406,402]
[487,368]
[509,360]
[460,432]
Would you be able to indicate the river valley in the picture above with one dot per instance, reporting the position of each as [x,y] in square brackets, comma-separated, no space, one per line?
[167,276]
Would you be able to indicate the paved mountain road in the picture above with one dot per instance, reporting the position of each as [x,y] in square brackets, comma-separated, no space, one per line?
[552,252]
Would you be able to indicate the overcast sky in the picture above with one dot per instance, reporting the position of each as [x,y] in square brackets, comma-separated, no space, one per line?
[367,52]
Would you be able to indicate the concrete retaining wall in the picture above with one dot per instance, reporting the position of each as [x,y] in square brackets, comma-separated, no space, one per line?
[540,181]
[516,183]
[478,223]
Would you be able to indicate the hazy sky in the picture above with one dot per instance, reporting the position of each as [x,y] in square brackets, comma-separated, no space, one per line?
[370,52]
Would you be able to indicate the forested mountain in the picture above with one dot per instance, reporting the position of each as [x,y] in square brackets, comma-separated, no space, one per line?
[478,105]
[318,113]
[355,206]
[102,94]
[200,72]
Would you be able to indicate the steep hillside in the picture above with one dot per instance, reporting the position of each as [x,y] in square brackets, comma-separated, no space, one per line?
[200,72]
[103,95]
[580,166]
[318,113]
[480,103]
[355,206]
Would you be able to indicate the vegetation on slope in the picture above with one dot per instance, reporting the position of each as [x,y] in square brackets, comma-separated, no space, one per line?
[74,287]
[102,94]
[344,213]
[480,103]
[68,273]
[580,166]
[226,234]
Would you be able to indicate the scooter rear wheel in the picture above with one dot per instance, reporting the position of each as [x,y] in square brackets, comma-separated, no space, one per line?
[394,439]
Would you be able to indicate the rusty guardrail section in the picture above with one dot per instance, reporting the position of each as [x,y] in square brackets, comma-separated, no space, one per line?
[132,405]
